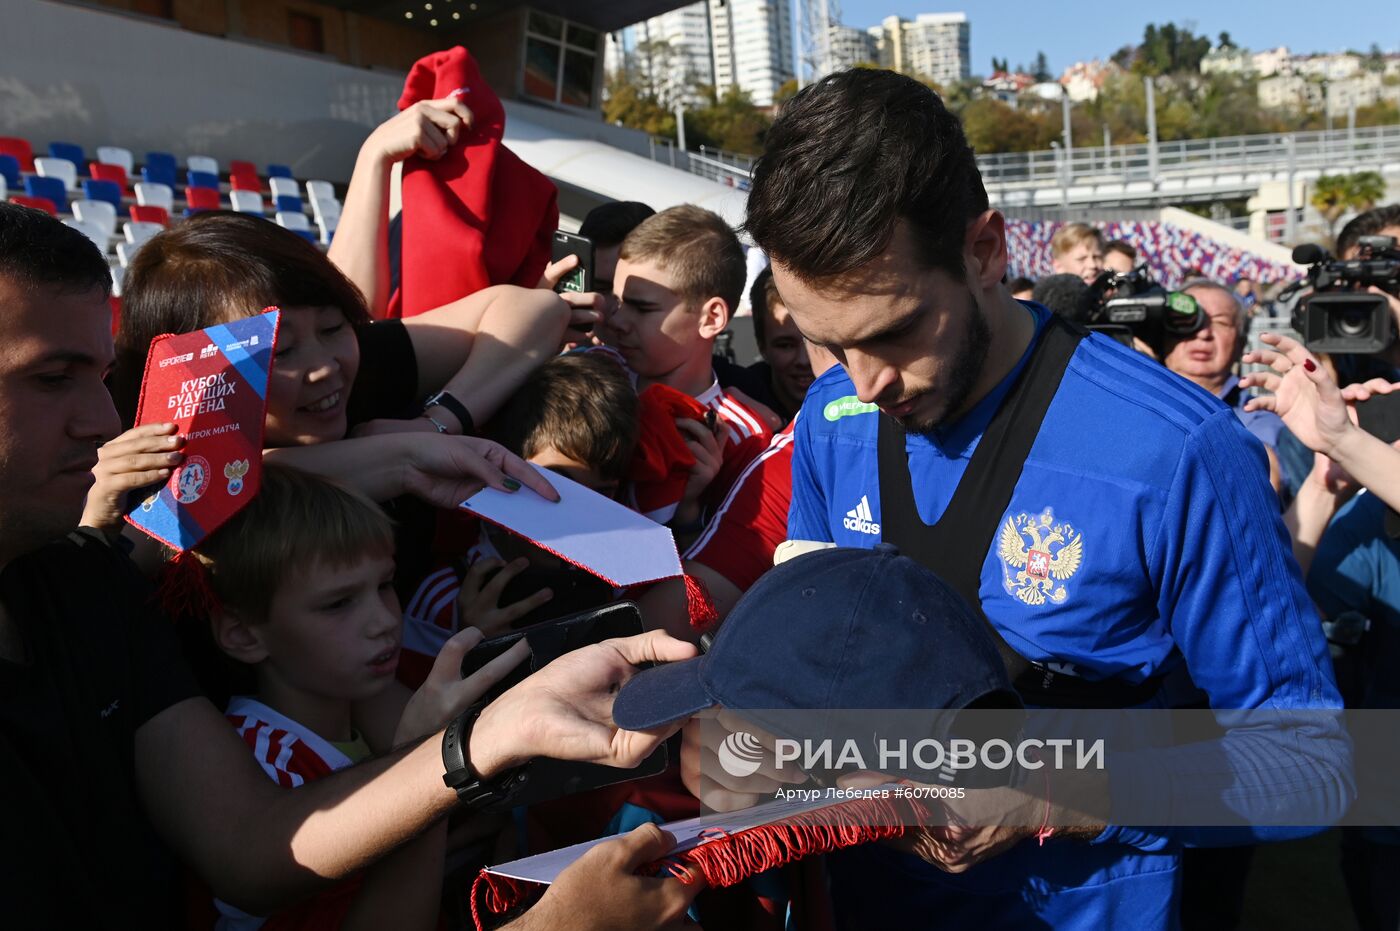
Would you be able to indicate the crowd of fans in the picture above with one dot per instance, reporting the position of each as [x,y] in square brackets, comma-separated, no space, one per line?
[273,760]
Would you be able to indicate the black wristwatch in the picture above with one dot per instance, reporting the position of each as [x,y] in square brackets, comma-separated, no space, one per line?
[471,790]
[454,407]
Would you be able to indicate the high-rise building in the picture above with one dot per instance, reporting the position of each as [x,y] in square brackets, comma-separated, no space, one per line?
[933,45]
[848,46]
[753,49]
[670,53]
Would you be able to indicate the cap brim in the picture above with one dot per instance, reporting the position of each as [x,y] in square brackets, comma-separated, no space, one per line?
[661,695]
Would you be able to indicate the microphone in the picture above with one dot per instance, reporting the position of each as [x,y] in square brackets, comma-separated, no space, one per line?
[1309,254]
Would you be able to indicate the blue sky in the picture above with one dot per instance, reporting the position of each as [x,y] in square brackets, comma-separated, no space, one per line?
[1073,30]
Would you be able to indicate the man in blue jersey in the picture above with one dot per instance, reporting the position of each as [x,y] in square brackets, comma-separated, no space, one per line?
[1113,522]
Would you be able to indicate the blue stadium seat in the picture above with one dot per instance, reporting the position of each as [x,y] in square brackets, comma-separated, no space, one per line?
[72,152]
[158,174]
[9,170]
[203,179]
[51,188]
[160,168]
[109,191]
[279,171]
[287,204]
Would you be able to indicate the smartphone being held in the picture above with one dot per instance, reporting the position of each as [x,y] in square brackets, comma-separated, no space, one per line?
[580,280]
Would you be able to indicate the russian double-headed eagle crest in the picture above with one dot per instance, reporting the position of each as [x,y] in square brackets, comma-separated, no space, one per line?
[1037,554]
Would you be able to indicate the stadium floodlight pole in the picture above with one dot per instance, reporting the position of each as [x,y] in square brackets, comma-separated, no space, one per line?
[1151,132]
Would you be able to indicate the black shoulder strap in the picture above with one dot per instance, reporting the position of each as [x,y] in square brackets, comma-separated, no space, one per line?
[956,546]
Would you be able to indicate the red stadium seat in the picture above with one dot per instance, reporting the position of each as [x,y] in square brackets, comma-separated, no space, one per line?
[201,198]
[243,176]
[142,214]
[20,149]
[38,203]
[103,172]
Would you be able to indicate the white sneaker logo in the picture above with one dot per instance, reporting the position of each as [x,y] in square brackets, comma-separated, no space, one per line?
[859,518]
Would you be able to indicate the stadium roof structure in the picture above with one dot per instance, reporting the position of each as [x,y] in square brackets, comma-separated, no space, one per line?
[603,15]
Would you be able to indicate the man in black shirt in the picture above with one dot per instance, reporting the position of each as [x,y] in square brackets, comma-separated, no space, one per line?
[107,750]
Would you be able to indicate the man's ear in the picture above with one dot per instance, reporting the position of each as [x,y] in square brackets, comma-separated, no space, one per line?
[714,317]
[236,637]
[985,250]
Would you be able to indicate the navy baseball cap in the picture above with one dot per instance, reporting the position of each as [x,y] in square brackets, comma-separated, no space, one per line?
[837,628]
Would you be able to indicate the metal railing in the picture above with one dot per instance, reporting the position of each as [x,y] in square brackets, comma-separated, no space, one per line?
[1370,147]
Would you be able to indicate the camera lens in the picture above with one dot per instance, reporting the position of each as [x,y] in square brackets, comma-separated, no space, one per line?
[1351,323]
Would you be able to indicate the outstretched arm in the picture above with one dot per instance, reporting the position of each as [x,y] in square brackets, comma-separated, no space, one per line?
[261,846]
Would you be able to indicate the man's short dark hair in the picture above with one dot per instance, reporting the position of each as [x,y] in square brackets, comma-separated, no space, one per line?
[1369,223]
[1019,284]
[1118,245]
[38,251]
[849,157]
[1066,295]
[697,247]
[608,224]
[763,294]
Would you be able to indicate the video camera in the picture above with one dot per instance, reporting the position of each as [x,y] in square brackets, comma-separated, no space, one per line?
[1131,304]
[1337,316]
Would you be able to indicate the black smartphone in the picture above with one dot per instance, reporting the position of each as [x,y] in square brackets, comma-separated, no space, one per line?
[580,279]
[574,590]
[552,639]
[1380,416]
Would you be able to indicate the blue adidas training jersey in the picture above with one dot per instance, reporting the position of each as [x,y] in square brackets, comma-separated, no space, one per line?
[1143,533]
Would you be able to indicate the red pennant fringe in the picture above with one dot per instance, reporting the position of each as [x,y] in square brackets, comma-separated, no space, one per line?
[728,859]
[184,589]
[699,605]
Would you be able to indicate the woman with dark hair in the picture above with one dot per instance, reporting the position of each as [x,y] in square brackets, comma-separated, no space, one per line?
[385,406]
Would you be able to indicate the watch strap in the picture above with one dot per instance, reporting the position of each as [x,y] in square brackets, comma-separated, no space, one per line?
[456,408]
[471,790]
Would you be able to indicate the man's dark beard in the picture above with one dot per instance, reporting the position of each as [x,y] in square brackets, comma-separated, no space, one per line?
[967,368]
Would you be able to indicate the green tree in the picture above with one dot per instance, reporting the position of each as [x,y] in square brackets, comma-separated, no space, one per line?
[632,105]
[1223,40]
[1334,195]
[728,121]
[1042,67]
[992,126]
[1169,49]
[1375,59]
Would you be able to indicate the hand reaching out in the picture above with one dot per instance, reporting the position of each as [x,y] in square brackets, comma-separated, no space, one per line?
[445,694]
[1303,394]
[478,601]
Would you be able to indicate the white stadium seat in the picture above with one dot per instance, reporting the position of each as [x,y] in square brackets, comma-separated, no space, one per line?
[203,163]
[138,233]
[97,212]
[91,231]
[59,168]
[283,187]
[116,155]
[246,202]
[150,194]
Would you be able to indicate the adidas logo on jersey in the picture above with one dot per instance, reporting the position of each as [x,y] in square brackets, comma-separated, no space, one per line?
[859,518]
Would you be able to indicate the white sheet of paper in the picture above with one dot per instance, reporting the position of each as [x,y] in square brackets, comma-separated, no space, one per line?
[546,867]
[596,533]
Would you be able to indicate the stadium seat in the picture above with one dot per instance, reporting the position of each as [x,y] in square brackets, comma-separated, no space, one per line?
[116,155]
[243,176]
[137,233]
[20,150]
[150,213]
[329,209]
[297,223]
[201,198]
[60,168]
[327,224]
[279,171]
[4,189]
[38,203]
[320,190]
[286,204]
[96,189]
[91,231]
[203,163]
[9,170]
[51,189]
[118,278]
[125,253]
[160,168]
[97,212]
[202,179]
[156,195]
[246,201]
[114,173]
[70,152]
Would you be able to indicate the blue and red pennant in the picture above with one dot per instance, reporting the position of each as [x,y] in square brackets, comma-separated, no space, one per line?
[212,384]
